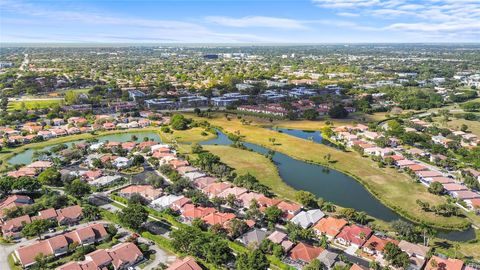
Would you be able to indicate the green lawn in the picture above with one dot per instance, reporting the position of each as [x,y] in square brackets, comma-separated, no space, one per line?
[190,135]
[34,104]
[256,164]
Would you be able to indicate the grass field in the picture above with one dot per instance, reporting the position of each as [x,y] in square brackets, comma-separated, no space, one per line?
[190,135]
[316,125]
[34,104]
[256,164]
[394,189]
[473,126]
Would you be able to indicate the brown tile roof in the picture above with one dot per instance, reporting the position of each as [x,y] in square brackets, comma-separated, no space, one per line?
[71,212]
[305,252]
[330,226]
[437,263]
[187,263]
[218,218]
[378,243]
[124,253]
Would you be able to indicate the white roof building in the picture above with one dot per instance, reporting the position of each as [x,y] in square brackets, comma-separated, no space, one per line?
[164,201]
[306,219]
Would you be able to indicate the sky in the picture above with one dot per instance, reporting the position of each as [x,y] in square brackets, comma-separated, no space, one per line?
[239,21]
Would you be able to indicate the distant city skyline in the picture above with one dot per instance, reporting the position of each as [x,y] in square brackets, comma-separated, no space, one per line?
[248,21]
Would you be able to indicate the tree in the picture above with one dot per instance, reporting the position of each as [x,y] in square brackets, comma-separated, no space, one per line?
[90,212]
[138,160]
[50,176]
[253,211]
[310,114]
[349,213]
[306,198]
[37,227]
[71,97]
[136,198]
[255,260]
[197,197]
[196,148]
[26,183]
[155,180]
[314,265]
[435,188]
[237,227]
[77,188]
[273,214]
[218,202]
[134,215]
[6,184]
[179,122]
[396,256]
[361,217]
[328,207]
[338,112]
[231,200]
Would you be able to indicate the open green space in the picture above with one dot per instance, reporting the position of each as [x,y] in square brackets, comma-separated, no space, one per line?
[396,190]
[244,161]
[190,135]
[34,104]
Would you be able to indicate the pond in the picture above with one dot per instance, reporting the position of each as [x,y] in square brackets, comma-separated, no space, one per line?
[331,185]
[26,156]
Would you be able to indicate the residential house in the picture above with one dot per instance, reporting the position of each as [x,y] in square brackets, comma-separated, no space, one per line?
[289,209]
[281,238]
[12,228]
[148,192]
[253,238]
[438,263]
[353,235]
[58,245]
[13,201]
[305,253]
[305,219]
[69,215]
[187,263]
[417,253]
[328,258]
[376,244]
[164,202]
[329,227]
[217,218]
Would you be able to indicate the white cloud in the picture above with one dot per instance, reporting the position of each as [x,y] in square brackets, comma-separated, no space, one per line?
[121,27]
[257,21]
[348,14]
[448,17]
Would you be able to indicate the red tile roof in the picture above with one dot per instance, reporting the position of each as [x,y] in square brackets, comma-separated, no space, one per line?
[437,263]
[305,252]
[187,263]
[353,234]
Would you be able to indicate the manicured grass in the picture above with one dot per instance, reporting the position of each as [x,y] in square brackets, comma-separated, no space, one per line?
[465,250]
[394,189]
[473,126]
[11,263]
[190,135]
[262,168]
[34,104]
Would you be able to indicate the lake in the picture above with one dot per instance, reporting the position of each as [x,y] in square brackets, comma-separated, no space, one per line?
[26,156]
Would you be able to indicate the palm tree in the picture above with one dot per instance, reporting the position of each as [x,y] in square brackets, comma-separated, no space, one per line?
[361,217]
[328,206]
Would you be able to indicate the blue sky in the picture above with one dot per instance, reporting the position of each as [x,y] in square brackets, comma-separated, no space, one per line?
[240,21]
